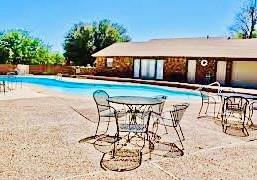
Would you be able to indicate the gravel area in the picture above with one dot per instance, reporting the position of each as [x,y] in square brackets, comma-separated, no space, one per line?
[40,134]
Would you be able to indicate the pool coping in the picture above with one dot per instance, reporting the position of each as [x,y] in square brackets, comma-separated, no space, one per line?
[170,84]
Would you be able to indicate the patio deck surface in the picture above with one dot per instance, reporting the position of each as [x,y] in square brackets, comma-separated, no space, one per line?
[40,134]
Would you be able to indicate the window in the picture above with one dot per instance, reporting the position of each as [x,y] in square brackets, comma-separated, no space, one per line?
[109,62]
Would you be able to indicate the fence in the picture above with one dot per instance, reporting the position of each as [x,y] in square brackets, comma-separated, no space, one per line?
[48,69]
[5,68]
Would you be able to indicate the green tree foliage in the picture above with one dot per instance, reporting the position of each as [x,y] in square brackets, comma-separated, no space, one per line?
[18,47]
[85,39]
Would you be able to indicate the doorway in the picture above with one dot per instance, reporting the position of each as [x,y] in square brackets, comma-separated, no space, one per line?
[191,70]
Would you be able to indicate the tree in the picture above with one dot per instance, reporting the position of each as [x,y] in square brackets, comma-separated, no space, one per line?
[85,39]
[245,21]
[18,47]
[79,44]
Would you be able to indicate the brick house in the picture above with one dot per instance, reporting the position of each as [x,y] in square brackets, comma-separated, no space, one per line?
[194,60]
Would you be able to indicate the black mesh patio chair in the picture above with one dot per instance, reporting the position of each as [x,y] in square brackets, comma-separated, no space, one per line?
[132,125]
[172,118]
[105,110]
[159,107]
[210,100]
[234,113]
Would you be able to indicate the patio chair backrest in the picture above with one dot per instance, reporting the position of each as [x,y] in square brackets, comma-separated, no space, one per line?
[204,95]
[178,112]
[101,100]
[235,103]
[159,107]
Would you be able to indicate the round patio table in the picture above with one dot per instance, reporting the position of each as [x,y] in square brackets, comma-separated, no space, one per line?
[137,106]
[134,100]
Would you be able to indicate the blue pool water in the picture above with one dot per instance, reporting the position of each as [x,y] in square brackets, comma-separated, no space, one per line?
[87,87]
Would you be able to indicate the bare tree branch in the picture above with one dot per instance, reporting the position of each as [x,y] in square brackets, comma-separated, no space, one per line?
[245,21]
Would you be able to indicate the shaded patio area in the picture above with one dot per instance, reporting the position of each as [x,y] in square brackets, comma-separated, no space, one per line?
[41,136]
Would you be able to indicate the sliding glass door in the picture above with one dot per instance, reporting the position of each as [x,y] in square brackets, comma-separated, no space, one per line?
[159,69]
[137,68]
[148,69]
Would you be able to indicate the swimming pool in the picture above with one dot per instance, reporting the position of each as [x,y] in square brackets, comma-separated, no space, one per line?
[87,87]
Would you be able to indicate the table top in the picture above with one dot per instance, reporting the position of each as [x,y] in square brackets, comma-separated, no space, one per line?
[134,100]
[247,96]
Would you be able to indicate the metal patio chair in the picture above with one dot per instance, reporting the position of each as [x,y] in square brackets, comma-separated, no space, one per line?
[251,108]
[234,113]
[105,110]
[172,118]
[133,123]
[210,99]
[159,107]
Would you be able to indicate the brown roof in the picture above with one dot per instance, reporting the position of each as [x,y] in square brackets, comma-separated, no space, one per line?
[194,47]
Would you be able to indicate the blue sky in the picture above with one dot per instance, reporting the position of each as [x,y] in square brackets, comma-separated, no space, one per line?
[145,19]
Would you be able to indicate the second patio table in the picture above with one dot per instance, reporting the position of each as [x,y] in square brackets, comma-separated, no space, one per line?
[246,96]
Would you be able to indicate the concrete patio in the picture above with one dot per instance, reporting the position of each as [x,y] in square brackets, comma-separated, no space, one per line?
[40,134]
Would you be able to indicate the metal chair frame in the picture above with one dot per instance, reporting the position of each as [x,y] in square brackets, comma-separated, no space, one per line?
[210,98]
[176,115]
[103,106]
[135,123]
[251,110]
[232,106]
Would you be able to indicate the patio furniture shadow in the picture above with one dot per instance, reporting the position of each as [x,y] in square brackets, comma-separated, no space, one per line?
[166,149]
[103,143]
[124,160]
[237,132]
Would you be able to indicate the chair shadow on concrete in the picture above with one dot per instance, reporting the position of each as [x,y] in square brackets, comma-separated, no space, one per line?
[103,143]
[231,130]
[124,160]
[167,150]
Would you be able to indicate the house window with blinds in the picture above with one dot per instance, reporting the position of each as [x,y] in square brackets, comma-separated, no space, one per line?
[109,62]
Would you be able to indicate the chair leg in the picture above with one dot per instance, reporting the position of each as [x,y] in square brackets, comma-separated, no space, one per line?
[149,145]
[97,126]
[214,109]
[244,130]
[183,137]
[114,144]
[179,138]
[220,106]
[207,108]
[199,115]
[165,126]
[107,126]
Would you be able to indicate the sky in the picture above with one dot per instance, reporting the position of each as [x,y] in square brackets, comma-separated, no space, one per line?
[50,20]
